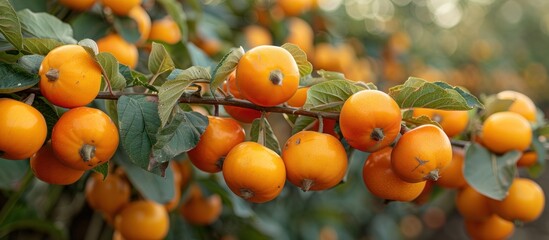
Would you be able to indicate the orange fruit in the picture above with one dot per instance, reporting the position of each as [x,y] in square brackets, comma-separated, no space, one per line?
[324,58]
[472,205]
[125,52]
[522,105]
[254,172]
[245,115]
[299,98]
[524,202]
[177,186]
[84,138]
[382,182]
[452,122]
[527,159]
[200,210]
[452,175]
[267,75]
[143,20]
[23,127]
[165,30]
[295,7]
[506,131]
[256,36]
[73,83]
[142,220]
[185,171]
[121,7]
[421,153]
[314,161]
[48,168]
[107,195]
[221,135]
[370,120]
[80,5]
[301,34]
[492,228]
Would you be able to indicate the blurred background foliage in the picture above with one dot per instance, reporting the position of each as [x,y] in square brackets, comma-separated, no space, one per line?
[485,46]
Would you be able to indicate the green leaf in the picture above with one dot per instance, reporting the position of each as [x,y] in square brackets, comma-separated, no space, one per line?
[110,66]
[493,105]
[305,67]
[302,122]
[102,169]
[31,63]
[262,132]
[9,24]
[151,186]
[199,57]
[175,11]
[225,67]
[90,46]
[138,122]
[11,173]
[329,96]
[538,168]
[159,60]
[543,131]
[48,111]
[489,174]
[43,25]
[416,92]
[170,92]
[14,78]
[90,25]
[40,46]
[179,136]
[127,28]
[408,117]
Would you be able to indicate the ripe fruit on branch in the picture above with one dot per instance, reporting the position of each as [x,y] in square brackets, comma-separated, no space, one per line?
[254,172]
[121,7]
[492,228]
[80,5]
[370,120]
[506,131]
[125,52]
[221,135]
[23,128]
[524,202]
[69,76]
[452,122]
[314,161]
[452,175]
[84,137]
[522,105]
[48,168]
[143,21]
[267,75]
[472,205]
[200,210]
[384,183]
[245,115]
[421,153]
[107,195]
[143,220]
[165,30]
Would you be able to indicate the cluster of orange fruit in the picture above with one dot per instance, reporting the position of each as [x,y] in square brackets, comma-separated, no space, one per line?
[138,218]
[81,139]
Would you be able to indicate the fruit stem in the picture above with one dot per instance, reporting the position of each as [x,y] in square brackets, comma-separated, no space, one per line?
[220,162]
[403,129]
[87,152]
[377,134]
[52,74]
[433,175]
[306,184]
[320,124]
[1,153]
[246,193]
[29,99]
[276,77]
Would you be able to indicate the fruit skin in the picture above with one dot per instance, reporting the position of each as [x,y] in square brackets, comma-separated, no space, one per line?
[23,127]
[298,99]
[221,135]
[506,131]
[48,168]
[143,219]
[301,34]
[107,195]
[254,172]
[84,137]
[200,210]
[143,21]
[165,30]
[452,175]
[522,105]
[384,183]
[125,52]
[527,159]
[524,202]
[245,115]
[294,7]
[267,75]
[452,122]
[492,228]
[364,115]
[256,35]
[314,161]
[421,153]
[71,83]
[472,205]
[121,7]
[80,5]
